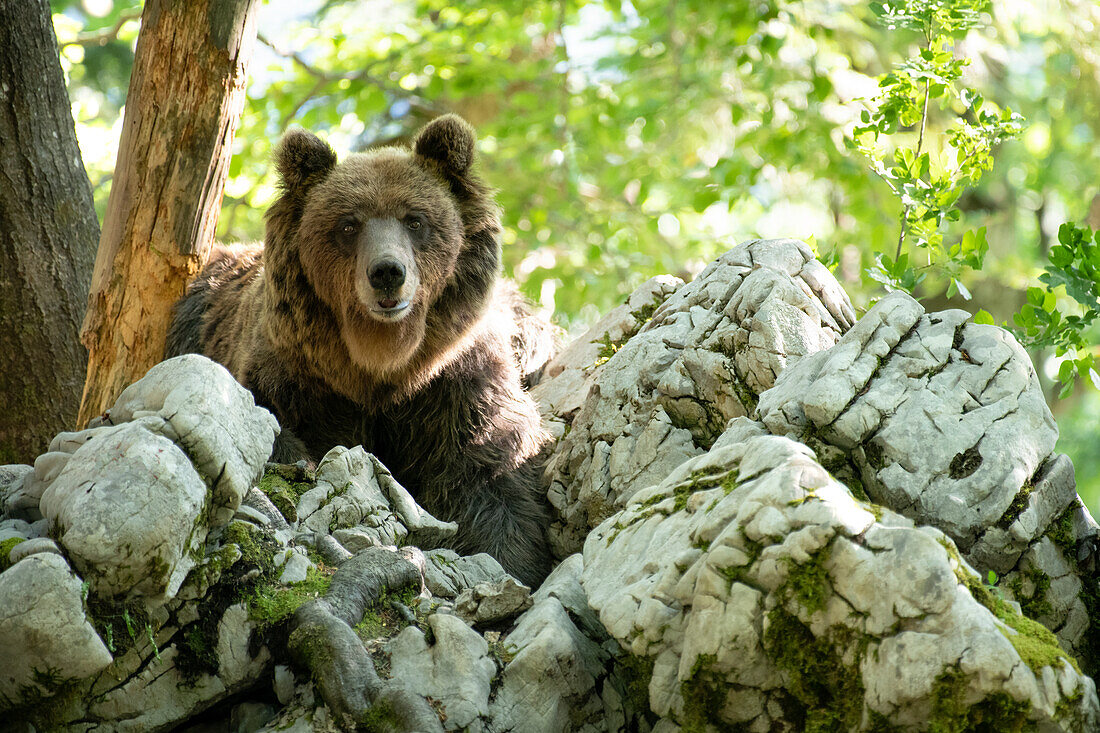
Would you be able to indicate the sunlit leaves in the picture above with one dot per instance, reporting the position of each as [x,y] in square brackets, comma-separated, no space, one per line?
[929,186]
[1043,322]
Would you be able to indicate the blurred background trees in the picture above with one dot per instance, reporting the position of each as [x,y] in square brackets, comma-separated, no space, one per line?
[635,138]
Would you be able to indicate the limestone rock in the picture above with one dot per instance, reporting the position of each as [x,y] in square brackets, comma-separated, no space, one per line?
[767,587]
[197,404]
[358,501]
[568,376]
[447,574]
[13,498]
[667,393]
[454,669]
[45,638]
[155,697]
[943,420]
[488,603]
[557,673]
[32,547]
[127,508]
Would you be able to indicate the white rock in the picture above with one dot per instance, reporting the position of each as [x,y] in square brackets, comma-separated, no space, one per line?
[802,580]
[491,602]
[355,492]
[668,392]
[155,697]
[197,403]
[33,547]
[296,568]
[45,638]
[446,573]
[127,508]
[455,669]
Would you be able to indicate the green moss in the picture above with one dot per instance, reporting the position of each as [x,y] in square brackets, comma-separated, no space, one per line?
[382,621]
[272,604]
[1061,531]
[1037,604]
[309,644]
[380,717]
[644,314]
[284,493]
[1089,648]
[239,571]
[830,691]
[121,624]
[704,695]
[499,650]
[1016,508]
[808,582]
[856,487]
[53,709]
[635,673]
[699,480]
[1067,707]
[254,550]
[5,551]
[952,712]
[608,348]
[202,656]
[1035,643]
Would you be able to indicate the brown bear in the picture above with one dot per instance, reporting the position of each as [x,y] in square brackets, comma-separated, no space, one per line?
[374,315]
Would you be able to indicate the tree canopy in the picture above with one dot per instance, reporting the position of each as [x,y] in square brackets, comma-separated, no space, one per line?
[630,139]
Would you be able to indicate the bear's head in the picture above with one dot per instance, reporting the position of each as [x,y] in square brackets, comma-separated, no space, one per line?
[394,251]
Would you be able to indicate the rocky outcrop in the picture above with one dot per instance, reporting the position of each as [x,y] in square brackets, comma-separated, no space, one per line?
[944,421]
[773,598]
[665,395]
[769,517]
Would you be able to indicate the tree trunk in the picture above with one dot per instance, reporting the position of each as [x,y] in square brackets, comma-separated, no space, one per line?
[186,93]
[48,233]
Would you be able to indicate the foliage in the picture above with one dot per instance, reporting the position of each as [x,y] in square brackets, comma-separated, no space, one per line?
[1075,267]
[929,184]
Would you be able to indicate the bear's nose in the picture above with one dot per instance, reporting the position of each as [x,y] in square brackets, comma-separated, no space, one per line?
[387,275]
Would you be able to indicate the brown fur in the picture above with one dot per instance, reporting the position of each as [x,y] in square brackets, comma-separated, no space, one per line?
[436,394]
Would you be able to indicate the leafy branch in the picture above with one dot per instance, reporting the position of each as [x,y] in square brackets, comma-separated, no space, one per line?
[1074,265]
[929,183]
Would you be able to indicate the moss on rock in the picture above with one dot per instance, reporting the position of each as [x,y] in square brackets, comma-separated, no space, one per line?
[5,551]
[954,712]
[830,690]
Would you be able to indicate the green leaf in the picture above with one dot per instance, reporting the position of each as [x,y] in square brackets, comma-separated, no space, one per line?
[984,317]
[1066,370]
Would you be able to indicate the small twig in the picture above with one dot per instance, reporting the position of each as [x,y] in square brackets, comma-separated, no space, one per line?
[104,35]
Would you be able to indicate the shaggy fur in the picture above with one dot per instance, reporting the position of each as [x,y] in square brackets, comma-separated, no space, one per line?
[434,390]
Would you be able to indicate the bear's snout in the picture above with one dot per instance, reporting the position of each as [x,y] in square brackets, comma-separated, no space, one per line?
[389,281]
[387,274]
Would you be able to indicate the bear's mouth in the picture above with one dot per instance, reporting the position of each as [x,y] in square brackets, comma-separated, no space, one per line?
[390,307]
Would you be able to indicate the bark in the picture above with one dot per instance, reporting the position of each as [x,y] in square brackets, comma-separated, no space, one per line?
[48,234]
[186,93]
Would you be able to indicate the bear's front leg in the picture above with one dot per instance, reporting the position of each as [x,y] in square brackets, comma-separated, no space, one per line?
[505,517]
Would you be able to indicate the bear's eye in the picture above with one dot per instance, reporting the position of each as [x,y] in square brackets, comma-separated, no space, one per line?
[414,222]
[347,229]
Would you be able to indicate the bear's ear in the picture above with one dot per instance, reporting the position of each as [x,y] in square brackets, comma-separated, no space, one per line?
[450,141]
[303,159]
